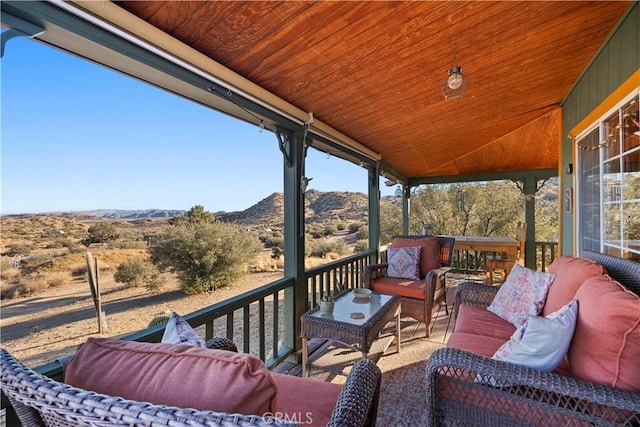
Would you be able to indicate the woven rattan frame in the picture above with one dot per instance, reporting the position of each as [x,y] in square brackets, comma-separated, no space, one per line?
[435,284]
[40,401]
[460,390]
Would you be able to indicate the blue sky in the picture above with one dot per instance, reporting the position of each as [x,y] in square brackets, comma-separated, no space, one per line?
[77,136]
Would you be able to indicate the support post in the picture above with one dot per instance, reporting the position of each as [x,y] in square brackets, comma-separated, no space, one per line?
[374,211]
[296,300]
[406,209]
[530,188]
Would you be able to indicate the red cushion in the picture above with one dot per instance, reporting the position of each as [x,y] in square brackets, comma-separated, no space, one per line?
[179,375]
[606,343]
[309,402]
[480,321]
[570,273]
[403,287]
[429,251]
[478,344]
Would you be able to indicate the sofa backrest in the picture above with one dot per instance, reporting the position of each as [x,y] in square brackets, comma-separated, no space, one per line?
[625,271]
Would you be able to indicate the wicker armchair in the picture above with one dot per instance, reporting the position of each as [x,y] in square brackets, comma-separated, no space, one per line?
[435,291]
[40,401]
[464,388]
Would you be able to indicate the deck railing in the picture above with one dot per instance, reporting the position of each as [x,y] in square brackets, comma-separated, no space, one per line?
[475,262]
[236,317]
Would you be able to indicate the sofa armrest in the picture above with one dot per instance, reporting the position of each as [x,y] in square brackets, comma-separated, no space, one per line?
[465,388]
[473,293]
[357,404]
[372,272]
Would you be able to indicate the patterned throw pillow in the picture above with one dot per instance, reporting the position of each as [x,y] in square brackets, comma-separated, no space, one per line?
[179,331]
[404,263]
[542,342]
[522,295]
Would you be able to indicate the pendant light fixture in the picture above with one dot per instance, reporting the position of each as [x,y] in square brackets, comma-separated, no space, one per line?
[455,85]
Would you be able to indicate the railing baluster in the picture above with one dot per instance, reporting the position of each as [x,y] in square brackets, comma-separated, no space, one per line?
[261,330]
[246,329]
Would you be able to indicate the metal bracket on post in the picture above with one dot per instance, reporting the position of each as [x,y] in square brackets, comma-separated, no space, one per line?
[285,141]
[19,28]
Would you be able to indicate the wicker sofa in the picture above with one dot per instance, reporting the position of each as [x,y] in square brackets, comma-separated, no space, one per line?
[458,392]
[418,297]
[41,401]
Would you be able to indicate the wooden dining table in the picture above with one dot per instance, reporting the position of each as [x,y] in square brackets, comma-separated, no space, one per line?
[499,244]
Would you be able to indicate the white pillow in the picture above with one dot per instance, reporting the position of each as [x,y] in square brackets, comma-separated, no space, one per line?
[522,295]
[179,331]
[542,342]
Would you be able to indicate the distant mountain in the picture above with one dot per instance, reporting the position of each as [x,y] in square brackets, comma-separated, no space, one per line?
[136,214]
[319,206]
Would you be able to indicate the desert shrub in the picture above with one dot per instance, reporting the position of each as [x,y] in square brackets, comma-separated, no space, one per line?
[80,271]
[19,249]
[322,248]
[276,252]
[330,230]
[274,241]
[205,255]
[138,272]
[129,244]
[361,245]
[355,226]
[341,225]
[101,232]
[362,233]
[57,278]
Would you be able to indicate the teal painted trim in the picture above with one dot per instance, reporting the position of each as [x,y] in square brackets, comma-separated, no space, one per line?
[374,212]
[616,60]
[491,176]
[406,209]
[530,186]
[602,50]
[295,299]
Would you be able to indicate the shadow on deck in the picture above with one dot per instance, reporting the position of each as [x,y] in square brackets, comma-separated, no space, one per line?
[402,392]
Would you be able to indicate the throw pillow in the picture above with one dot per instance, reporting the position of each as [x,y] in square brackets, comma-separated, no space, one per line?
[429,251]
[179,331]
[179,375]
[522,295]
[404,263]
[606,344]
[570,273]
[542,342]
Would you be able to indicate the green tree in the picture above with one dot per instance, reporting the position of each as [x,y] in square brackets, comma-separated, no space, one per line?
[204,254]
[102,232]
[196,214]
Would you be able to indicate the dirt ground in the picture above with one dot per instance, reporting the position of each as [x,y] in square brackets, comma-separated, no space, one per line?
[39,328]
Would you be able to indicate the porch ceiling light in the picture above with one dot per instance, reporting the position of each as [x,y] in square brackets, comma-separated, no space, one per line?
[455,85]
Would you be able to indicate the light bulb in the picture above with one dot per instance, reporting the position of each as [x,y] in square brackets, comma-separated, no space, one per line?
[454,81]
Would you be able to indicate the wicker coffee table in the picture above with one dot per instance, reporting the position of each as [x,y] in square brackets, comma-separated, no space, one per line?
[360,334]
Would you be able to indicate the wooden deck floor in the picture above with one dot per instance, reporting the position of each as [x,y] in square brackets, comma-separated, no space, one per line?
[403,374]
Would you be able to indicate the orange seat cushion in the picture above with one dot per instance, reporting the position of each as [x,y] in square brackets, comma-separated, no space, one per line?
[308,402]
[429,251]
[402,287]
[571,272]
[480,321]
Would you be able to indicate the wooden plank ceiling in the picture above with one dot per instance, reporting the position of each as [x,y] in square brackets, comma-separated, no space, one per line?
[374,70]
